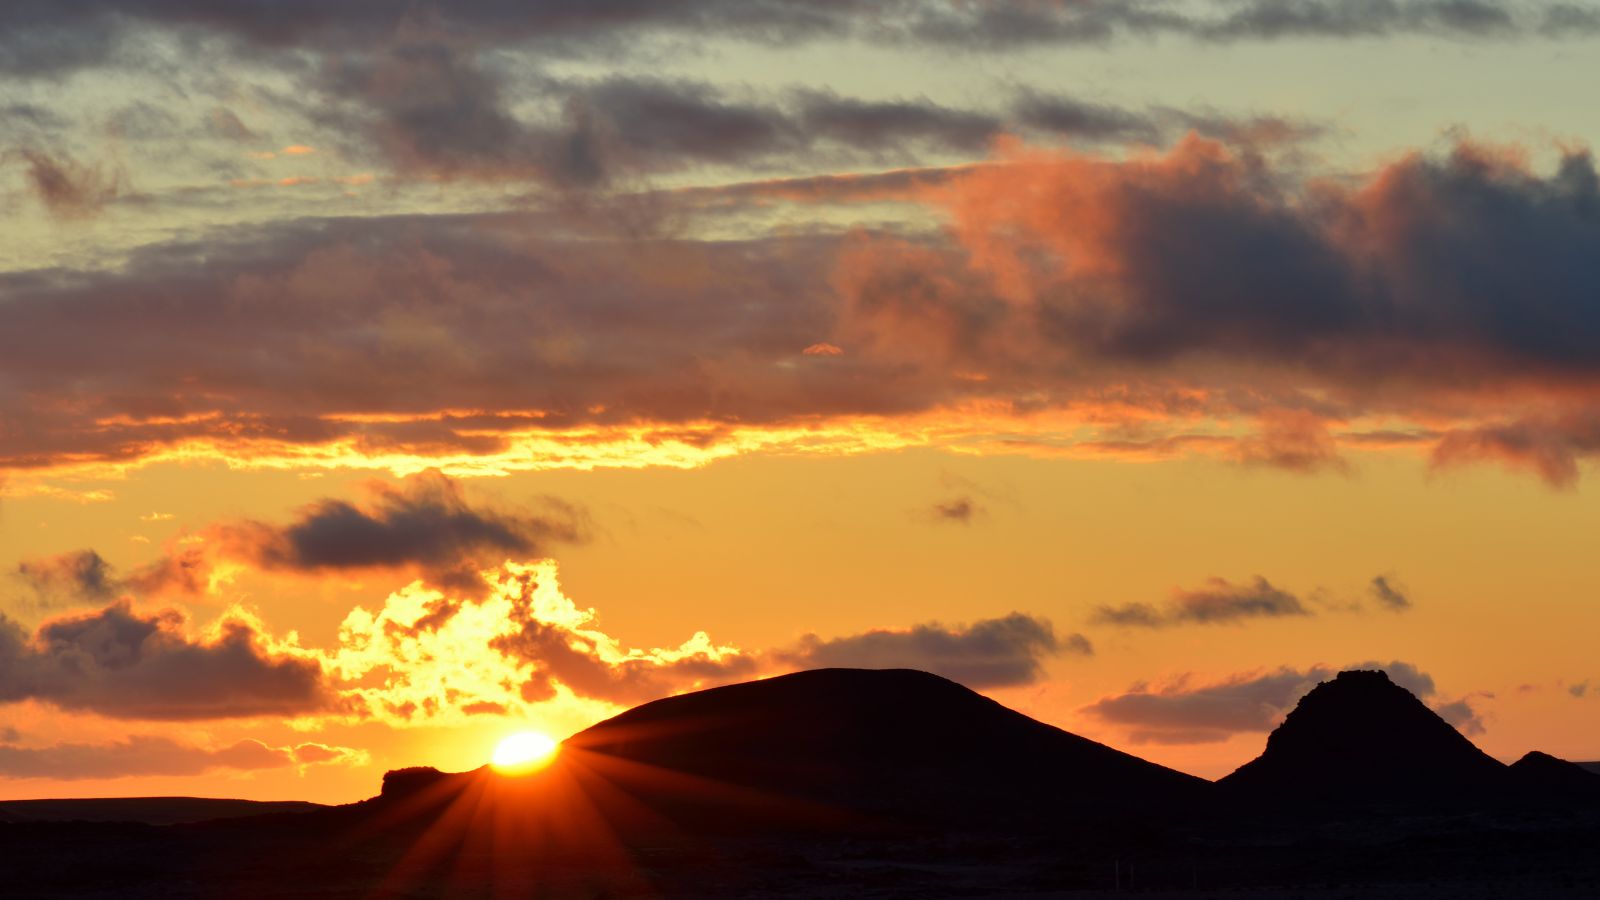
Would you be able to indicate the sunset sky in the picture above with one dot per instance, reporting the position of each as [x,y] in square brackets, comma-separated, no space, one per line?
[379,379]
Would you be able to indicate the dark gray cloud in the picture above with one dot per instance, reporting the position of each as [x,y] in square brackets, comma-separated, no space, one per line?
[1388,594]
[123,664]
[959,510]
[1270,19]
[1058,114]
[886,125]
[1461,714]
[1187,712]
[1217,602]
[69,189]
[1571,19]
[423,522]
[1002,652]
[439,109]
[46,40]
[68,578]
[1579,689]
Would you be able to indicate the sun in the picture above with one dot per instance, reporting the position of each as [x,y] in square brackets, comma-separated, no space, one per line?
[524,752]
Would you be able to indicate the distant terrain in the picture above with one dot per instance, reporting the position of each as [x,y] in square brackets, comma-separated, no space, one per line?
[144,810]
[858,783]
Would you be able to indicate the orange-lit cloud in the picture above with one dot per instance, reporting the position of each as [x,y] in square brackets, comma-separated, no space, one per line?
[121,663]
[429,657]
[422,524]
[1189,301]
[152,755]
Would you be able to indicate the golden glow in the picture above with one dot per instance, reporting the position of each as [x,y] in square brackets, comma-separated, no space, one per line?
[395,658]
[524,752]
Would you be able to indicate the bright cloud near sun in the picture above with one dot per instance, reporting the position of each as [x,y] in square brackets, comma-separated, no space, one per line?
[429,658]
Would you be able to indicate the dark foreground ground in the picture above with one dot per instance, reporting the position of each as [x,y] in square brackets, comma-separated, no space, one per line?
[887,784]
[1482,856]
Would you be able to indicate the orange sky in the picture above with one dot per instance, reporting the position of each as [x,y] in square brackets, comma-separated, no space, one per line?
[423,379]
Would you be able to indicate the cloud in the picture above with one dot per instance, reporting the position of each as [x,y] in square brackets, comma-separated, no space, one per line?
[1550,448]
[431,656]
[959,510]
[1578,689]
[43,42]
[68,189]
[123,664]
[312,753]
[68,578]
[1187,710]
[436,108]
[1462,715]
[445,658]
[1217,602]
[1001,652]
[1388,594]
[423,522]
[146,755]
[1295,440]
[1007,331]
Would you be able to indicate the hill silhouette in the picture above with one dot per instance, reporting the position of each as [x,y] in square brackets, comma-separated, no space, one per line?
[1542,778]
[1362,740]
[853,783]
[145,810]
[892,743]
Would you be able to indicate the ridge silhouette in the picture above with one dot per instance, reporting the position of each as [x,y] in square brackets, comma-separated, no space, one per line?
[1362,740]
[890,742]
[842,782]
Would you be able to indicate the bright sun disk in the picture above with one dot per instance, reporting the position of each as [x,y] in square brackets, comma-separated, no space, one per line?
[524,751]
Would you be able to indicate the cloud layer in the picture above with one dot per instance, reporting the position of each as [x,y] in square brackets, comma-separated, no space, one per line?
[447,658]
[44,41]
[1196,301]
[1188,710]
[150,755]
[990,653]
[1218,602]
[127,665]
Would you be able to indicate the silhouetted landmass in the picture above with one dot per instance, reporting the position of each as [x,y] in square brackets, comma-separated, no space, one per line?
[1591,766]
[851,783]
[145,810]
[1362,740]
[896,745]
[1540,777]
